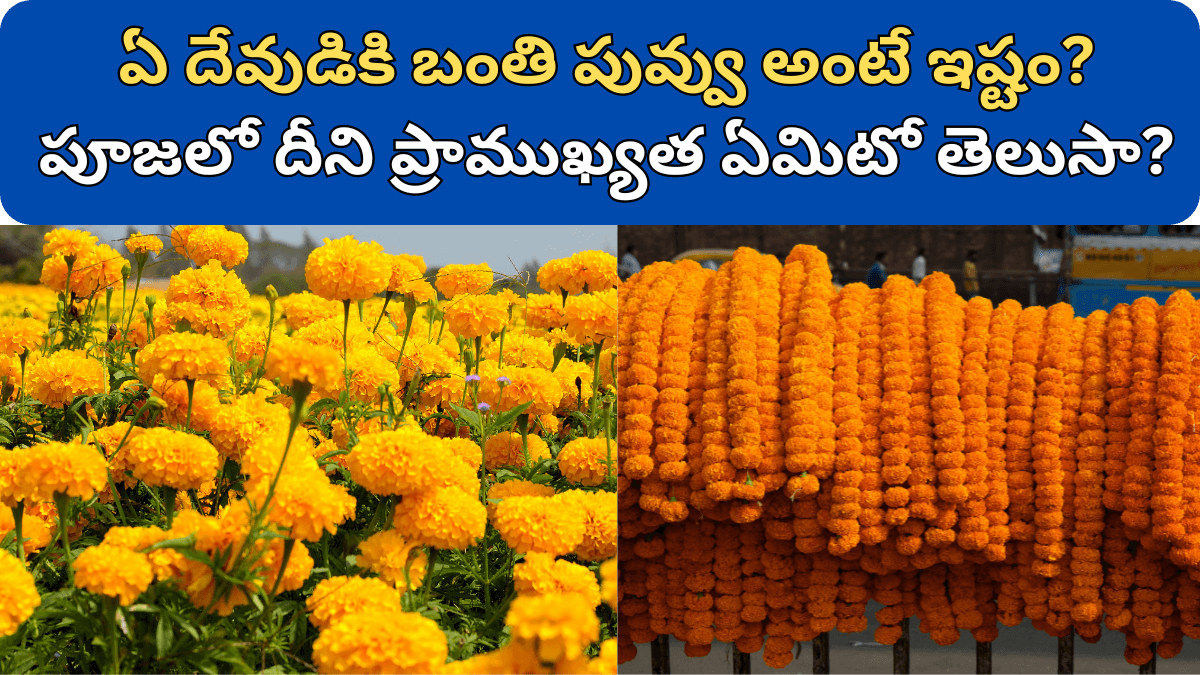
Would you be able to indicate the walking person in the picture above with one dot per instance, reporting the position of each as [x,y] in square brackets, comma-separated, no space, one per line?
[970,276]
[878,273]
[629,265]
[919,266]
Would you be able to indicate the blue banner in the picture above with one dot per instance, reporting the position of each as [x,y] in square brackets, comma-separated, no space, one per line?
[667,112]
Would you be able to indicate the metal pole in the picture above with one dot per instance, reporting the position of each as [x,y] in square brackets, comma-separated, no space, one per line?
[821,654]
[660,655]
[983,658]
[1150,666]
[900,651]
[741,662]
[1066,652]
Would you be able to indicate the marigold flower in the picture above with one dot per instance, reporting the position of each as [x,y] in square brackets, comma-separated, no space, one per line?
[583,460]
[442,518]
[58,379]
[18,335]
[295,361]
[559,625]
[34,530]
[408,279]
[399,562]
[473,316]
[139,243]
[305,504]
[18,594]
[263,457]
[71,468]
[465,449]
[346,269]
[514,488]
[526,385]
[184,356]
[368,371]
[545,524]
[114,571]
[505,449]
[608,582]
[214,242]
[250,342]
[544,311]
[379,641]
[336,598]
[170,458]
[94,269]
[599,523]
[62,241]
[592,318]
[540,573]
[522,350]
[210,299]
[303,308]
[455,280]
[594,269]
[235,427]
[396,462]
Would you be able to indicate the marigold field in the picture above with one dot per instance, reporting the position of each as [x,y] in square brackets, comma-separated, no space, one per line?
[391,472]
[789,451]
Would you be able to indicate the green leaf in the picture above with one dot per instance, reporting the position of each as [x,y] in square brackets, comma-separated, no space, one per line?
[505,419]
[163,637]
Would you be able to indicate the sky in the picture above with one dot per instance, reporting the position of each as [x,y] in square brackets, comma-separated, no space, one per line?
[443,244]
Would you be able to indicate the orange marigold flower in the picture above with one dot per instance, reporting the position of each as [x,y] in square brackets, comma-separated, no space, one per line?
[170,458]
[261,460]
[61,241]
[18,594]
[408,279]
[592,318]
[368,371]
[455,280]
[18,335]
[377,641]
[304,308]
[474,316]
[139,243]
[235,427]
[525,385]
[544,311]
[599,522]
[417,261]
[442,518]
[114,571]
[93,269]
[543,524]
[522,350]
[295,361]
[515,488]
[596,270]
[210,299]
[505,449]
[559,625]
[465,449]
[328,332]
[583,460]
[184,356]
[305,504]
[346,269]
[59,378]
[398,462]
[71,468]
[608,582]
[250,342]
[540,574]
[214,242]
[338,597]
[34,530]
[397,561]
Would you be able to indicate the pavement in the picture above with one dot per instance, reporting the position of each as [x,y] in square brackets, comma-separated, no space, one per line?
[1020,649]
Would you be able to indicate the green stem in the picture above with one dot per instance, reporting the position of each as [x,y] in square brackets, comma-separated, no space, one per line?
[24,355]
[595,379]
[487,581]
[288,545]
[133,304]
[112,486]
[168,497]
[345,332]
[431,559]
[262,367]
[478,347]
[63,504]
[387,297]
[19,515]
[500,356]
[191,387]
[110,609]
[300,392]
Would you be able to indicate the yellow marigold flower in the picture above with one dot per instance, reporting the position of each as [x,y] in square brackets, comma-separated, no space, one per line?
[206,401]
[18,594]
[170,458]
[250,343]
[592,318]
[396,462]
[599,522]
[214,242]
[525,385]
[542,524]
[514,488]
[544,311]
[608,582]
[522,350]
[389,555]
[304,308]
[328,332]
[443,390]
[305,504]
[583,460]
[114,571]
[442,518]
[594,269]
[235,427]
[294,361]
[61,241]
[20,334]
[134,538]
[108,438]
[465,449]
[210,299]
[408,279]
[143,243]
[504,449]
[72,468]
[184,356]
[576,395]
[345,269]
[417,261]
[474,316]
[94,269]
[560,625]
[429,358]
[10,369]
[549,424]
[341,437]
[338,597]
[261,459]
[180,235]
[368,370]
[381,641]
[299,568]
[607,374]
[456,280]
[59,378]
[540,574]
[34,530]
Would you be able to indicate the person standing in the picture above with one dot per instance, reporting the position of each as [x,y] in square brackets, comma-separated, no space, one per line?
[878,273]
[629,265]
[970,276]
[919,266]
